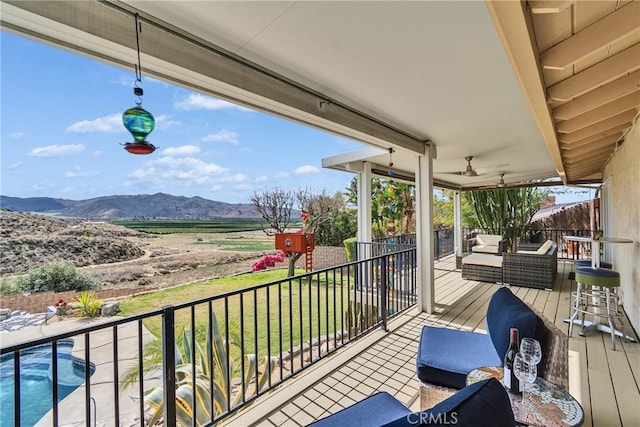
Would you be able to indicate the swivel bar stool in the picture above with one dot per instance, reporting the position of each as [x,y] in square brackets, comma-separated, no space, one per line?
[596,296]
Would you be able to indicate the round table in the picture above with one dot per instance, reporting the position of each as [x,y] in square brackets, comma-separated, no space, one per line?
[554,406]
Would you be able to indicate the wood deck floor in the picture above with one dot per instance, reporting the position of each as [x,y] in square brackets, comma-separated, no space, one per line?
[604,381]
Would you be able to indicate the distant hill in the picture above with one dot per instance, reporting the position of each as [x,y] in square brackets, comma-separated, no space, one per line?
[142,206]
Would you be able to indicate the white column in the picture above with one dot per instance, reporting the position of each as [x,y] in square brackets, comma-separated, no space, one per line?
[424,232]
[364,203]
[457,222]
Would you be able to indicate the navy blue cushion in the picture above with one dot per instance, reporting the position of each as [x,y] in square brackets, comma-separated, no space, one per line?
[507,311]
[446,356]
[587,263]
[376,410]
[483,404]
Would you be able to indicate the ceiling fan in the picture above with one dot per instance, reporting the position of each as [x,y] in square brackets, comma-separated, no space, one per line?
[469,171]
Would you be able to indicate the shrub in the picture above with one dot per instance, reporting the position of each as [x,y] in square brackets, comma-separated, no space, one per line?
[350,246]
[55,277]
[8,287]
[89,304]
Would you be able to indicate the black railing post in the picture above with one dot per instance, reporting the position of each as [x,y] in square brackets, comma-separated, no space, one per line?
[437,245]
[384,276]
[169,365]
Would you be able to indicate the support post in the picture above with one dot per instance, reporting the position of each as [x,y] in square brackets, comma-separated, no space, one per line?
[457,223]
[424,231]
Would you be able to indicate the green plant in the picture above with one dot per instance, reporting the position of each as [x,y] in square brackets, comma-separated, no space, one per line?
[505,211]
[350,248]
[7,287]
[61,308]
[218,374]
[89,304]
[55,277]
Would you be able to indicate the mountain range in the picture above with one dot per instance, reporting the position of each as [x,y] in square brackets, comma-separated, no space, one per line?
[141,206]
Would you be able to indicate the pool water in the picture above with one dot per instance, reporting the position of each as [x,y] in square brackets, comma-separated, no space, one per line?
[36,394]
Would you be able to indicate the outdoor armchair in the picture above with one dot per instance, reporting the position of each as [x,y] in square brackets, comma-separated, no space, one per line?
[534,265]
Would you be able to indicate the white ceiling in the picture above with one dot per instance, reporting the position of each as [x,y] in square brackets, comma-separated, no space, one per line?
[432,70]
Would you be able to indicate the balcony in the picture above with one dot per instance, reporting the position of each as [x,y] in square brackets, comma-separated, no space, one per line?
[342,373]
[604,381]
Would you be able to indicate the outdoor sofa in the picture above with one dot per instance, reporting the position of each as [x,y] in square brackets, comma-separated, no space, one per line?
[487,244]
[483,404]
[534,265]
[446,356]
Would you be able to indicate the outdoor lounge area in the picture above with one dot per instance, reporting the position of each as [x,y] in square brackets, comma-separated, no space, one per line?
[601,379]
[532,265]
[527,92]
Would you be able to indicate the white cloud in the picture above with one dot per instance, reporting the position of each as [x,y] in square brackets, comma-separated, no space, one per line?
[56,150]
[39,188]
[164,122]
[243,187]
[113,124]
[195,101]
[282,174]
[77,173]
[13,166]
[223,136]
[97,153]
[181,171]
[16,135]
[306,170]
[107,124]
[181,151]
[262,178]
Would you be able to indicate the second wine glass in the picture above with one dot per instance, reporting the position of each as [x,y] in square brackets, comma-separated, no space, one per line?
[525,369]
[531,348]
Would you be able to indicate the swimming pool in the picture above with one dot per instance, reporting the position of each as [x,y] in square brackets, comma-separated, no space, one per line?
[35,381]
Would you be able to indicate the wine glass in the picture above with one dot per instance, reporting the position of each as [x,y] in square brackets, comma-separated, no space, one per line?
[531,347]
[526,371]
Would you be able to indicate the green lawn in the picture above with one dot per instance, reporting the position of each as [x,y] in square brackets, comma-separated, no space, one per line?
[241,309]
[242,244]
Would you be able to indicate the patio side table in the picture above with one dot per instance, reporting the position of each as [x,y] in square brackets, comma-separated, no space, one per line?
[553,405]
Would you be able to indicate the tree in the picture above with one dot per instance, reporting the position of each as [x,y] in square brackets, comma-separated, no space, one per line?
[275,207]
[505,211]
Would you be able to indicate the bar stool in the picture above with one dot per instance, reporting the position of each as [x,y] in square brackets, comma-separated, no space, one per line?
[587,263]
[596,296]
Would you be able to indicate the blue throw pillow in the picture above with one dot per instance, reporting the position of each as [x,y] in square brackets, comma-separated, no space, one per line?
[507,311]
[483,404]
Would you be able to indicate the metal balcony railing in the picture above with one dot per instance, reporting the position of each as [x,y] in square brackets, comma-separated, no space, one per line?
[208,353]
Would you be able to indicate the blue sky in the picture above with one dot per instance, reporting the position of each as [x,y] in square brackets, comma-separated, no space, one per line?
[62,130]
[62,133]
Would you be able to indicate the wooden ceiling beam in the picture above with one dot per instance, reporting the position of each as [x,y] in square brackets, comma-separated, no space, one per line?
[598,97]
[599,128]
[601,73]
[591,166]
[593,145]
[599,156]
[590,140]
[610,109]
[607,30]
[542,7]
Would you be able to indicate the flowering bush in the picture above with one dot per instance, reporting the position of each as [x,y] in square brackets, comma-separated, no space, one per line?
[268,261]
[61,308]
